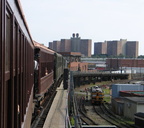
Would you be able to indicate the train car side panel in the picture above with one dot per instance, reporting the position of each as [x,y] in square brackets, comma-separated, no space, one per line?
[18,13]
[58,66]
[45,73]
[2,46]
[15,77]
[45,81]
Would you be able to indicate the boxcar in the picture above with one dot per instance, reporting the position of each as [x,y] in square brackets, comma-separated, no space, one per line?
[16,67]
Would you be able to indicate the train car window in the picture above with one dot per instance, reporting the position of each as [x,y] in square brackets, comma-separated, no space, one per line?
[8,41]
[19,49]
[15,45]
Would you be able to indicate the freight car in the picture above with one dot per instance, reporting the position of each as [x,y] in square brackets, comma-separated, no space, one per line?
[28,70]
[97,95]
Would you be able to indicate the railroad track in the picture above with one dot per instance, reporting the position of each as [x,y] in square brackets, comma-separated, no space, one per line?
[106,107]
[87,120]
[111,117]
[40,119]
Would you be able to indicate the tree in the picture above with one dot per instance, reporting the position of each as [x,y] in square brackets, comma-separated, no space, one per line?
[141,56]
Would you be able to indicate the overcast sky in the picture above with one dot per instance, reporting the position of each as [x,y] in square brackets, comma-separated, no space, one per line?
[98,20]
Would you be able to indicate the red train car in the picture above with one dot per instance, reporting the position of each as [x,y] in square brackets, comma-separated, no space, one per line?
[16,67]
[44,72]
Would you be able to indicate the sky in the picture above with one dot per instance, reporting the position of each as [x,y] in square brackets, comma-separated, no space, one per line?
[98,20]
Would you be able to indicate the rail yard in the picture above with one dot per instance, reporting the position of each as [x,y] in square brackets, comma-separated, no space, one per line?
[99,114]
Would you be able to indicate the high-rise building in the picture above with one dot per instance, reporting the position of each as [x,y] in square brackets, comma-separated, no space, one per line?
[56,45]
[100,48]
[123,43]
[114,48]
[132,49]
[51,45]
[65,45]
[75,44]
[85,47]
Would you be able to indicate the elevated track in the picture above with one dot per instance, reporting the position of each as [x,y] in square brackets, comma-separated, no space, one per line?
[92,77]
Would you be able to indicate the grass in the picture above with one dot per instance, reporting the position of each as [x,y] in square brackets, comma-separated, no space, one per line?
[106,91]
[107,99]
[72,121]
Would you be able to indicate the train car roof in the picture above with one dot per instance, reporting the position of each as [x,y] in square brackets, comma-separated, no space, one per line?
[23,17]
[96,88]
[58,54]
[43,48]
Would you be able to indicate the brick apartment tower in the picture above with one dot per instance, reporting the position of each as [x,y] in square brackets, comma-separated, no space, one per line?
[56,46]
[114,48]
[85,47]
[65,45]
[132,49]
[100,48]
[51,45]
[81,45]
[123,43]
[75,44]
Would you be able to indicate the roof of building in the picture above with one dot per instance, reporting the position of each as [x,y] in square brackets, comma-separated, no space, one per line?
[139,100]
[137,93]
[139,114]
[120,100]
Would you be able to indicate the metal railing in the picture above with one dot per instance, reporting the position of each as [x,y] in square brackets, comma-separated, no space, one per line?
[72,109]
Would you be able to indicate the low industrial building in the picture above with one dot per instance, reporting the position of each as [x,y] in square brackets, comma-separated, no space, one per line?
[118,106]
[133,105]
[127,99]
[128,106]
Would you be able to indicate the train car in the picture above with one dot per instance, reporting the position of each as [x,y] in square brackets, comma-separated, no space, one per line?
[16,67]
[97,95]
[58,67]
[44,71]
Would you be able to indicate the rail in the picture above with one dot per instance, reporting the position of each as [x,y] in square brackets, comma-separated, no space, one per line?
[97,72]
